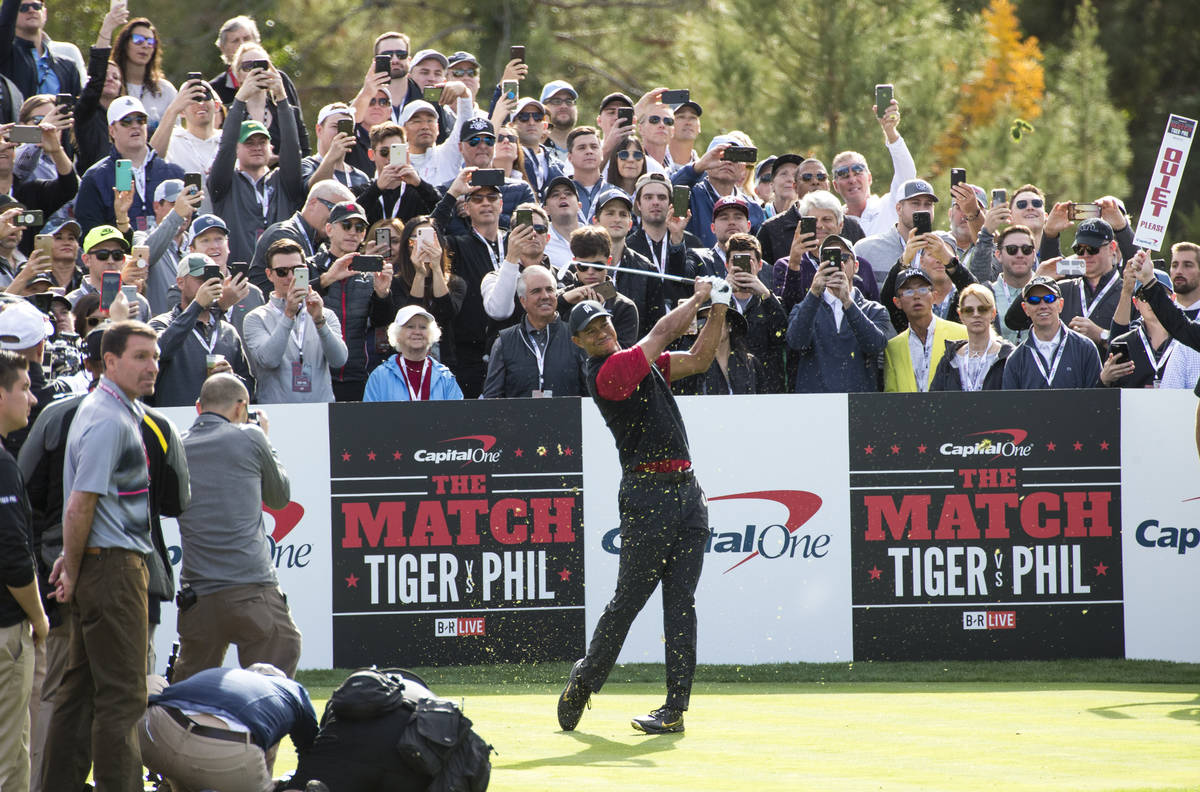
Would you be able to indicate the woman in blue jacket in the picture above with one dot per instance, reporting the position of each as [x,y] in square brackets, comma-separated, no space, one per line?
[412,375]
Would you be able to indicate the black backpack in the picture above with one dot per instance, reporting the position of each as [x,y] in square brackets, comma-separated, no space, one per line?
[438,741]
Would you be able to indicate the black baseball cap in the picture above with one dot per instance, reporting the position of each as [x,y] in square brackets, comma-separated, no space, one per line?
[786,159]
[583,314]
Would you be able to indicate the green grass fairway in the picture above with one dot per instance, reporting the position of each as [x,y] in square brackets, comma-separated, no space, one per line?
[821,729]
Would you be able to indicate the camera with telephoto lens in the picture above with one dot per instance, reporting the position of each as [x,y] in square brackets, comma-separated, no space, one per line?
[63,356]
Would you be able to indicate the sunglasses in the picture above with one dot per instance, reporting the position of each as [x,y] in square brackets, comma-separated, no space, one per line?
[1035,299]
[538,228]
[535,115]
[463,72]
[481,140]
[139,38]
[132,121]
[667,120]
[27,7]
[583,265]
[37,119]
[1036,203]
[506,138]
[350,225]
[1085,250]
[626,154]
[1013,250]
[973,310]
[568,102]
[284,272]
[105,255]
[488,197]
[914,292]
[398,54]
[381,101]
[844,171]
[813,177]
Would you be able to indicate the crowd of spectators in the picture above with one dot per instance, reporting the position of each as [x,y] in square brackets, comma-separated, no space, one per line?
[428,237]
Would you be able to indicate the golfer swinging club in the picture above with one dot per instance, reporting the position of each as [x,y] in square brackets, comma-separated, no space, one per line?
[664,514]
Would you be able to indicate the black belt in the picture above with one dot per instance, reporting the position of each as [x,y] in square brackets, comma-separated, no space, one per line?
[674,476]
[205,731]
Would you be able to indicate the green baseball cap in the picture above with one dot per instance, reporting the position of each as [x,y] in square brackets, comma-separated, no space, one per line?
[251,128]
[103,234]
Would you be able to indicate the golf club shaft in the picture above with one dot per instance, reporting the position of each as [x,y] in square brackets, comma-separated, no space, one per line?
[646,273]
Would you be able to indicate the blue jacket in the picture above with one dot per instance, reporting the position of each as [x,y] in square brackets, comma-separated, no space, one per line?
[386,383]
[94,206]
[268,706]
[1078,366]
[838,361]
[703,199]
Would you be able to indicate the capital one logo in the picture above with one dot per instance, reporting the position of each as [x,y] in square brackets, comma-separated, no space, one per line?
[480,453]
[1007,444]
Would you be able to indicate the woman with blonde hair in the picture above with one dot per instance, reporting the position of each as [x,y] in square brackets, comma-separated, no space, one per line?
[977,363]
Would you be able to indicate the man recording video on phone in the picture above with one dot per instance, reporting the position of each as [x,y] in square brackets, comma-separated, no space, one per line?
[334,143]
[713,177]
[397,190]
[852,177]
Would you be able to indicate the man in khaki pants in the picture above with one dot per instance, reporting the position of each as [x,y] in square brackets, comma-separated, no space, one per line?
[230,593]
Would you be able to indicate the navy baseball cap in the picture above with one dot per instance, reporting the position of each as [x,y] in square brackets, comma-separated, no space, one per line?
[584,313]
[1044,282]
[1094,232]
[609,195]
[207,222]
[906,275]
[557,180]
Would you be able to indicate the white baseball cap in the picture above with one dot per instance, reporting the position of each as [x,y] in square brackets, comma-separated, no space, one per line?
[405,314]
[123,106]
[22,326]
[412,108]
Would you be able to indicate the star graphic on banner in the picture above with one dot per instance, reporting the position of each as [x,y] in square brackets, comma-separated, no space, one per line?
[1078,446]
[352,581]
[1050,446]
[567,451]
[875,572]
[520,452]
[921,449]
[1104,446]
[371,455]
[869,450]
[1102,569]
[564,575]
[396,455]
[895,449]
[345,456]
[542,451]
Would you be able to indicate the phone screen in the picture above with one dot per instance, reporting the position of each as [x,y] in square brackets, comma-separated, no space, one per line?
[923,222]
[110,285]
[883,98]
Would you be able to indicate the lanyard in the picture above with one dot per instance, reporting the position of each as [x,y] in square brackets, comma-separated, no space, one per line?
[299,328]
[659,259]
[492,249]
[973,381]
[396,206]
[944,306]
[1160,364]
[304,240]
[539,354]
[211,343]
[261,196]
[1055,357]
[426,373]
[1083,303]
[921,368]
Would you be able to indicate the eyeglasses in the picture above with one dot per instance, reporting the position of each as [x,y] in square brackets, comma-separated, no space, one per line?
[1034,299]
[481,140]
[914,292]
[845,171]
[667,120]
[350,225]
[766,178]
[626,154]
[1013,250]
[488,197]
[1085,250]
[506,138]
[558,101]
[132,121]
[27,7]
[463,72]
[284,272]
[398,54]
[105,255]
[139,38]
[534,115]
[813,177]
[1036,203]
[973,310]
[381,101]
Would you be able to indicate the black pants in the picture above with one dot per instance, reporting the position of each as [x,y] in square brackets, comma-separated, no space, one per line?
[664,527]
[349,391]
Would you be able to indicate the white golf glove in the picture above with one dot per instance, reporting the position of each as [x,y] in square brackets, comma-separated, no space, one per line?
[722,292]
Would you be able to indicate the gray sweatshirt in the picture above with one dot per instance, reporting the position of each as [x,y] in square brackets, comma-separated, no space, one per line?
[233,470]
[283,367]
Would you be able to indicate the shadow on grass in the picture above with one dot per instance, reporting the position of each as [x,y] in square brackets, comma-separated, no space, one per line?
[601,751]
[1117,711]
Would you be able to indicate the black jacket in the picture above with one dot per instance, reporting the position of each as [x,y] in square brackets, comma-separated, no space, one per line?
[946,377]
[677,263]
[776,233]
[766,339]
[473,330]
[513,367]
[91,120]
[359,310]
[745,376]
[414,201]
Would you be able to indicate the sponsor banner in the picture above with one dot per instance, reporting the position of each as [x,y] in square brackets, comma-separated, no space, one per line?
[986,526]
[299,532]
[775,586]
[1164,182]
[1161,541]
[456,532]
